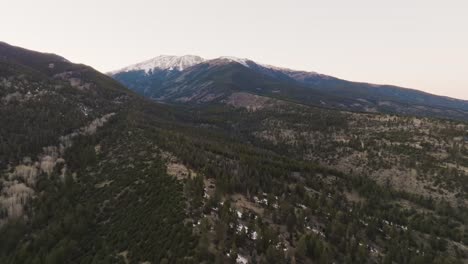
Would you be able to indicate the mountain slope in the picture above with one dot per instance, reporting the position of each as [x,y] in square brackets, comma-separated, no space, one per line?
[52,96]
[215,80]
[62,131]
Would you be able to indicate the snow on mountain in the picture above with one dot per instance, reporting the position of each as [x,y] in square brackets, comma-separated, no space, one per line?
[273,70]
[180,63]
[235,59]
[164,62]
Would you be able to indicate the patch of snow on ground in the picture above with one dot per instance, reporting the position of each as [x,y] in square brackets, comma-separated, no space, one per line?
[241,259]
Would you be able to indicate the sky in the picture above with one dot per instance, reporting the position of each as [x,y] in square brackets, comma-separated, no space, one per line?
[421,44]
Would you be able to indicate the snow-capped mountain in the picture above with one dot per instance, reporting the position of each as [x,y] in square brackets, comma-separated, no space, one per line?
[179,63]
[193,79]
[163,62]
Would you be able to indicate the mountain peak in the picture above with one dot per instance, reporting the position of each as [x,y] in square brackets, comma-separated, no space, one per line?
[242,61]
[164,62]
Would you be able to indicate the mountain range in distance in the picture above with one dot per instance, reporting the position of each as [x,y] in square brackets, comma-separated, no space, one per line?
[192,79]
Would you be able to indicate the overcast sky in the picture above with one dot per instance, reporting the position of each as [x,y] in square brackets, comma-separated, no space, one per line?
[421,44]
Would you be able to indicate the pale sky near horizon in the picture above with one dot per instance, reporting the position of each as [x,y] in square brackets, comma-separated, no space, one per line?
[421,44]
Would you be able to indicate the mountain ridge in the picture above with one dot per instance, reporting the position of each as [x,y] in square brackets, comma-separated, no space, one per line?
[211,81]
[287,70]
[164,62]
